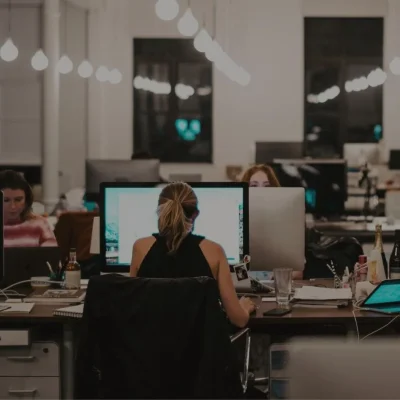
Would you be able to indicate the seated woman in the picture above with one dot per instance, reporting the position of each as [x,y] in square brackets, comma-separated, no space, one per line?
[260,176]
[22,228]
[175,252]
[264,176]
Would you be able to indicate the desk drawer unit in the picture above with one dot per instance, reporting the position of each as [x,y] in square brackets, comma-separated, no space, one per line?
[14,338]
[29,388]
[279,381]
[41,359]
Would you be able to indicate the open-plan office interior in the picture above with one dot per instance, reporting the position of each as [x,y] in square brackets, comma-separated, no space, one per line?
[200,199]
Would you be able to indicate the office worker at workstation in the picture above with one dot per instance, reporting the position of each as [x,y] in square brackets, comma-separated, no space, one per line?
[22,228]
[175,252]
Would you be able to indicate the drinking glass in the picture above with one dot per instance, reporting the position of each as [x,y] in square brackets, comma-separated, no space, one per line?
[283,286]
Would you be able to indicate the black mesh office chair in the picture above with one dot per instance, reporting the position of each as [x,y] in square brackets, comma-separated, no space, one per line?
[158,338]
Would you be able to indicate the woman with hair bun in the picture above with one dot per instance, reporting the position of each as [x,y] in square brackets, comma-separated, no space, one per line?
[175,252]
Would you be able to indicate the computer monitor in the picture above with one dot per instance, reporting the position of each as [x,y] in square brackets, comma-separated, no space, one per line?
[324,181]
[394,160]
[267,152]
[128,212]
[276,228]
[98,171]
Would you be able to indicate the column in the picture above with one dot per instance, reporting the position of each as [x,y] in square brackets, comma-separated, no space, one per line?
[51,103]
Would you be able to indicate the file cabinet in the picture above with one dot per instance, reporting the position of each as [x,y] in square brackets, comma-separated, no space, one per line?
[29,371]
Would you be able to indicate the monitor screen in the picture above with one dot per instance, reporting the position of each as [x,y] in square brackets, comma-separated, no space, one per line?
[388,292]
[129,212]
[325,183]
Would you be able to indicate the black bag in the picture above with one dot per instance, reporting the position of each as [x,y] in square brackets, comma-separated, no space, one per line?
[321,250]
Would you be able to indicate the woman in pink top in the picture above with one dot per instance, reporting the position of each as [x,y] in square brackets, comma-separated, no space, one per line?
[22,228]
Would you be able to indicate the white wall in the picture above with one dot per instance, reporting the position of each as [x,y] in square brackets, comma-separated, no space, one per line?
[20,89]
[264,36]
[21,99]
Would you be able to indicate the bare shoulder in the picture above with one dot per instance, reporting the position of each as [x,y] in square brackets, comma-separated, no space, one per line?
[144,243]
[210,246]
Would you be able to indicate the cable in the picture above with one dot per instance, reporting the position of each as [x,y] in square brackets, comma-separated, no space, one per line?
[383,327]
[7,289]
[356,306]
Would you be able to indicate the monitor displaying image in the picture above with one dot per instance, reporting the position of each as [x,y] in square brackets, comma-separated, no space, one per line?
[129,212]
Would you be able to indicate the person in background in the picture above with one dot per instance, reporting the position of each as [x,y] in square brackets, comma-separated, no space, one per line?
[175,252]
[260,176]
[22,228]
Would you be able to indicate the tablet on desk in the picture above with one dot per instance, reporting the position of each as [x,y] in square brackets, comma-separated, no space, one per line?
[384,299]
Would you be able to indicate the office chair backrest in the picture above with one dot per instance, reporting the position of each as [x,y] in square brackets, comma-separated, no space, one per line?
[155,338]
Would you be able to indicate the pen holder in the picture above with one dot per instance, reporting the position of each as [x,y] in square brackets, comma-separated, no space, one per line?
[57,277]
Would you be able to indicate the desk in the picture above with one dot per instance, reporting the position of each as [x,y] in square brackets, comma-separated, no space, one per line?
[41,317]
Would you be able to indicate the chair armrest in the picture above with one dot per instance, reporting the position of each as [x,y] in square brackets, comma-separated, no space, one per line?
[239,334]
[245,333]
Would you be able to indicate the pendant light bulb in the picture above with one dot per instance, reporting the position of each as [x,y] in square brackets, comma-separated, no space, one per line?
[188,24]
[9,51]
[39,61]
[395,66]
[115,76]
[167,10]
[85,69]
[65,65]
[203,41]
[102,74]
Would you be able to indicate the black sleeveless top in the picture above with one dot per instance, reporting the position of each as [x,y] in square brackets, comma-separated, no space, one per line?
[188,261]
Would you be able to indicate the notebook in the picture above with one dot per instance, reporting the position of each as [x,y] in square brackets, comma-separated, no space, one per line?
[73,311]
[319,293]
[17,307]
[56,296]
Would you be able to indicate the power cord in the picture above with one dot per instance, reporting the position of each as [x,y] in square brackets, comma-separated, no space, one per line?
[7,289]
[356,306]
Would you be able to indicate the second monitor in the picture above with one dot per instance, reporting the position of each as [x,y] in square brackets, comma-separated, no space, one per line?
[277,228]
[98,171]
[129,212]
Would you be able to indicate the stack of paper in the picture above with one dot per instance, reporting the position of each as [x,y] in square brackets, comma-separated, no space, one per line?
[318,293]
[17,307]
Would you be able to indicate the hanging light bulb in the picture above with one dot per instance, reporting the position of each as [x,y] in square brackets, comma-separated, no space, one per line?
[395,66]
[39,61]
[64,65]
[8,52]
[167,10]
[115,76]
[102,74]
[203,41]
[188,24]
[213,51]
[85,69]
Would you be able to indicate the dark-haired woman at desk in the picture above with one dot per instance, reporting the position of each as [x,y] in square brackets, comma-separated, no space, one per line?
[175,252]
[22,228]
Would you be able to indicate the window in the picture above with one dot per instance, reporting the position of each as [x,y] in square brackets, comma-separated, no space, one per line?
[172,100]
[343,83]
